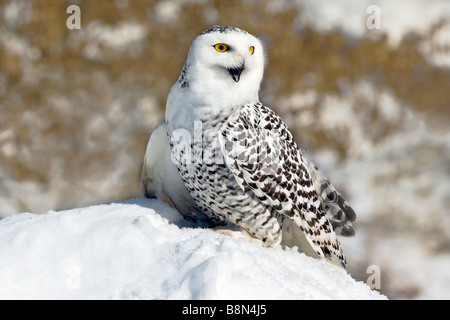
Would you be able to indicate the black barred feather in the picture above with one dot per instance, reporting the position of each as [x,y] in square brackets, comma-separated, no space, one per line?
[247,168]
[276,173]
[262,183]
[339,212]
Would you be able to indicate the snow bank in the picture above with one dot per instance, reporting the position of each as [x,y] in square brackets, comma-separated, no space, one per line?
[141,249]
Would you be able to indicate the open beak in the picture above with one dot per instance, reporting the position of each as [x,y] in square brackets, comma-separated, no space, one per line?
[236,72]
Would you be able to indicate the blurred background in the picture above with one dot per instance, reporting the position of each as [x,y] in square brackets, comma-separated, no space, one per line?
[371,106]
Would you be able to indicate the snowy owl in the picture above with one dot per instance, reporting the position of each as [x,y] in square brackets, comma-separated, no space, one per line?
[221,156]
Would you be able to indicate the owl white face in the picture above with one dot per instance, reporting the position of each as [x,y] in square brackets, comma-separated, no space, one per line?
[231,54]
[228,62]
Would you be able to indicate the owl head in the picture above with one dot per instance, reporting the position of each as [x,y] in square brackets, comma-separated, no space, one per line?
[225,64]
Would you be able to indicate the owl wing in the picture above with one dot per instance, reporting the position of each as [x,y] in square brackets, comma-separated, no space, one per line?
[264,159]
[160,178]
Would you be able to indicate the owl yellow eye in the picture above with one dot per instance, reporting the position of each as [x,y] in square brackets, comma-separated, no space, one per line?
[221,47]
[252,49]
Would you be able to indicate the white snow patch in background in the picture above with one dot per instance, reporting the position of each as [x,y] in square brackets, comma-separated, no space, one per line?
[401,17]
[122,37]
[168,11]
[142,249]
[17,13]
[117,37]
[398,18]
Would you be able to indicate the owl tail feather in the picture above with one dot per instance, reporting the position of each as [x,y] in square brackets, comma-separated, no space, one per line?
[337,209]
[293,237]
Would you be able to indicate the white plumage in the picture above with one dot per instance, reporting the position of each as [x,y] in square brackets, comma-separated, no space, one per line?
[160,178]
[234,160]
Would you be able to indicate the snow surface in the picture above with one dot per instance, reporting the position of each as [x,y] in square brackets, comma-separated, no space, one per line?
[142,249]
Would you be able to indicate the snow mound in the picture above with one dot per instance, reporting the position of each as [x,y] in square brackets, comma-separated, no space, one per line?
[142,249]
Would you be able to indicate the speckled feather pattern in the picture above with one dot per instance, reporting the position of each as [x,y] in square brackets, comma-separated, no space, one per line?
[257,178]
[247,168]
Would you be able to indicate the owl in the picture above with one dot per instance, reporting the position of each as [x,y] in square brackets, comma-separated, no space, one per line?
[224,158]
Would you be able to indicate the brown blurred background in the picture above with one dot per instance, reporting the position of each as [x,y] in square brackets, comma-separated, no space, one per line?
[77,108]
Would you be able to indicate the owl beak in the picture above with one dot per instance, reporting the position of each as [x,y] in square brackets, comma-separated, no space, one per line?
[236,72]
